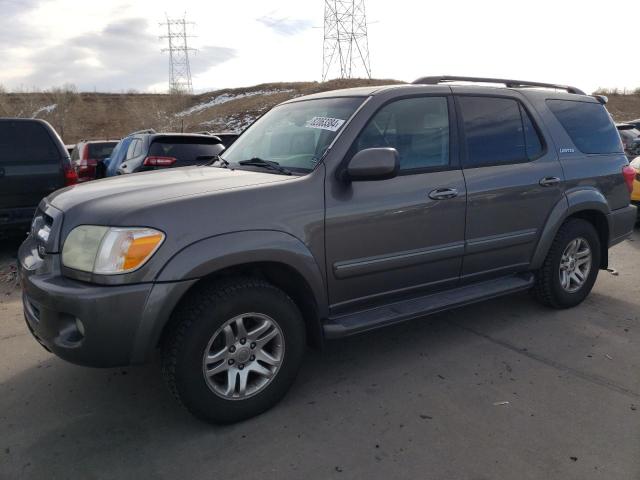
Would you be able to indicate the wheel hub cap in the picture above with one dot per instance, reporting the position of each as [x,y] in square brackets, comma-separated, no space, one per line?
[243,356]
[575,265]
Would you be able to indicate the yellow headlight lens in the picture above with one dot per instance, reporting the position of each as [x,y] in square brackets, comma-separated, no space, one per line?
[109,251]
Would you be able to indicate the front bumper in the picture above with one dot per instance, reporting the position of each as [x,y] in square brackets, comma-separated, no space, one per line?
[92,325]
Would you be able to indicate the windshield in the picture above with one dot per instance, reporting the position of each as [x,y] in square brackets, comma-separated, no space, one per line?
[295,135]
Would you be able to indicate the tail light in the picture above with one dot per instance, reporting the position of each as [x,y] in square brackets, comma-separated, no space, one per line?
[70,175]
[629,174]
[159,161]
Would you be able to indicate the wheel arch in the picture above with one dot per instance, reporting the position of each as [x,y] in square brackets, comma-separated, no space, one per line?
[277,257]
[586,203]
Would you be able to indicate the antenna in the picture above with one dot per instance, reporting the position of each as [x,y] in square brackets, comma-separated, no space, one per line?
[179,67]
[346,44]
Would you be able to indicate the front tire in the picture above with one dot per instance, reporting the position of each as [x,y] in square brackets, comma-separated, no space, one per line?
[235,349]
[571,267]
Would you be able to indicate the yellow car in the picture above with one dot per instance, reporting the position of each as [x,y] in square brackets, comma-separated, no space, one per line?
[635,195]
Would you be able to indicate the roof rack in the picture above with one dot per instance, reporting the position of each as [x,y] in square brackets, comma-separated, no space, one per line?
[505,82]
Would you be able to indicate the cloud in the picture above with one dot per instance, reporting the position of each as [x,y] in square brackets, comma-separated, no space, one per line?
[122,56]
[285,26]
[15,31]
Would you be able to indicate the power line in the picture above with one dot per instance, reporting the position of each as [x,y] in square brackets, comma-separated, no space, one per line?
[346,42]
[179,66]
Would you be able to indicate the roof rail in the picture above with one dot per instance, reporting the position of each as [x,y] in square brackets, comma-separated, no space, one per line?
[505,82]
[139,132]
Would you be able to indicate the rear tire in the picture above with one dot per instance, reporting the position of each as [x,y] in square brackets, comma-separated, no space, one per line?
[235,349]
[571,267]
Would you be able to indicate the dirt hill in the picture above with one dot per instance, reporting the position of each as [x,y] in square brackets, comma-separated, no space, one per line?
[79,116]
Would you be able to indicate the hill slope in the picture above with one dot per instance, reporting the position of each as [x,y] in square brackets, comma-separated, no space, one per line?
[79,116]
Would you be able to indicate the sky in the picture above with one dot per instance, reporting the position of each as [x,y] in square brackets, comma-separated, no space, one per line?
[114,46]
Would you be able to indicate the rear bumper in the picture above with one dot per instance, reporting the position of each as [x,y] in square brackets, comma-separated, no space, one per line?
[16,218]
[93,325]
[621,223]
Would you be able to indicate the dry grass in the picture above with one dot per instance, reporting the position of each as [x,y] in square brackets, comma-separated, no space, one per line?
[102,115]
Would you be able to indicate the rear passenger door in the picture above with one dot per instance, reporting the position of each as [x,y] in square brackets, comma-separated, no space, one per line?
[513,181]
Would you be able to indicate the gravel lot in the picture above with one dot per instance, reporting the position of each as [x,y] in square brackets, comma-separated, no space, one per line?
[501,390]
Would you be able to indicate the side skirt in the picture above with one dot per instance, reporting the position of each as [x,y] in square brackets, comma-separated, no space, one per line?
[401,311]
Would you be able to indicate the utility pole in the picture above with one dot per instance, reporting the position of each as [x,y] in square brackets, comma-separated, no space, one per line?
[179,66]
[346,43]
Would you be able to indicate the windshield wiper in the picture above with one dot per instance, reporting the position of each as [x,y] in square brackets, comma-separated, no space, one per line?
[269,164]
[213,159]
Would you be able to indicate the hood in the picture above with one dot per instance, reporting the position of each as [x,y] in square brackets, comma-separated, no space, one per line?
[148,188]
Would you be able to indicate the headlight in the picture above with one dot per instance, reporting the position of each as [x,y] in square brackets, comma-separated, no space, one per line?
[109,250]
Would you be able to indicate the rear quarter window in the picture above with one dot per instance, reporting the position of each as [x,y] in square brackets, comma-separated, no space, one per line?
[588,124]
[186,151]
[26,143]
[100,151]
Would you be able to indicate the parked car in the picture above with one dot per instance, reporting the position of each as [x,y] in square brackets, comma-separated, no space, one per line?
[333,214]
[153,151]
[635,194]
[630,137]
[635,123]
[33,163]
[113,162]
[87,158]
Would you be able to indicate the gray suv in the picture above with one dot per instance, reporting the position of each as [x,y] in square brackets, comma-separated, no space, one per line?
[333,214]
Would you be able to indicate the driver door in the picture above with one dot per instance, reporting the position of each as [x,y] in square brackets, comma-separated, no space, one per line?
[400,236]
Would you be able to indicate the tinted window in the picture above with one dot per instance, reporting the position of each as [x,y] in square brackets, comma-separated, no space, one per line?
[498,131]
[26,142]
[100,151]
[588,124]
[186,150]
[418,128]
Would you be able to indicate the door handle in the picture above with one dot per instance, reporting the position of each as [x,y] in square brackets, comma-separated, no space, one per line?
[549,181]
[1,172]
[443,193]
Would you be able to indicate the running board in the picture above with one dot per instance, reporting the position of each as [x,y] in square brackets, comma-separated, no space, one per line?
[361,321]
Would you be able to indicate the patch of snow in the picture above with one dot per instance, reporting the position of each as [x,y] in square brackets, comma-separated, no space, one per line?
[227,97]
[234,123]
[47,108]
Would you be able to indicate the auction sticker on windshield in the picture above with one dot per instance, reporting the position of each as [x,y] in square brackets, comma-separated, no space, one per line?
[325,123]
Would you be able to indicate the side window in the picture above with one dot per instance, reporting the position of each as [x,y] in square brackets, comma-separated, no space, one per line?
[135,149]
[588,124]
[418,128]
[497,131]
[26,142]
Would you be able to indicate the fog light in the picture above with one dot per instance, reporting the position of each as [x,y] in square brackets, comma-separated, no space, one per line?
[80,327]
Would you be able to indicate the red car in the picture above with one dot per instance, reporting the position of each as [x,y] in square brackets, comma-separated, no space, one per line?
[88,156]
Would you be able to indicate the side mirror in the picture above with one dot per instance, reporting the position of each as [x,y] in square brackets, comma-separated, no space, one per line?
[373,164]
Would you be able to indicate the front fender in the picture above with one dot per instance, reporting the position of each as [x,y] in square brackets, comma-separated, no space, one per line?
[239,248]
[574,201]
[213,254]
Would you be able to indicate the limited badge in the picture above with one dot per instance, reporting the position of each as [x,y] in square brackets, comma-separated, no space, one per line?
[325,123]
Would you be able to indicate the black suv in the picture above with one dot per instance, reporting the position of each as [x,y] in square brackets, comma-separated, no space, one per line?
[333,214]
[33,163]
[152,151]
